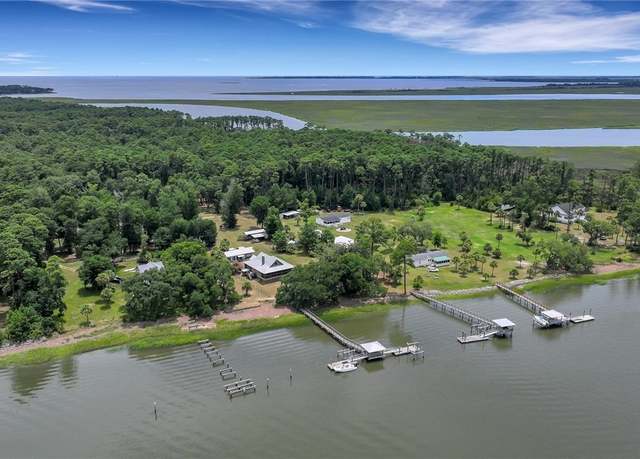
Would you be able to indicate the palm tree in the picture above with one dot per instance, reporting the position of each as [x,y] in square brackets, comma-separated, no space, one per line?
[491,208]
[459,199]
[482,261]
[513,273]
[494,265]
[246,287]
[499,238]
[456,262]
[520,260]
[86,310]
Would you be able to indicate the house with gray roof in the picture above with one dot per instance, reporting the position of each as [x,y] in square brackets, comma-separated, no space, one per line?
[267,267]
[431,257]
[568,212]
[335,219]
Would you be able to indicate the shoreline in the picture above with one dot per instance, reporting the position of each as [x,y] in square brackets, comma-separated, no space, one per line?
[155,335]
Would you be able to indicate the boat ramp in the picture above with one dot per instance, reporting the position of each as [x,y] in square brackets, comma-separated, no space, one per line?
[543,317]
[481,329]
[356,352]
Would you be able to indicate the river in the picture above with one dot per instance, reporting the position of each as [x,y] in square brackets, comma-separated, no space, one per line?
[229,88]
[547,393]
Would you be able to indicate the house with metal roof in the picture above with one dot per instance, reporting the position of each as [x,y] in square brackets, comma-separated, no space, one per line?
[290,214]
[431,257]
[144,267]
[568,212]
[255,235]
[267,267]
[239,254]
[335,219]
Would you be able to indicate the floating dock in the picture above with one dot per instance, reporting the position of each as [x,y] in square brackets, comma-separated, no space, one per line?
[481,329]
[356,352]
[543,316]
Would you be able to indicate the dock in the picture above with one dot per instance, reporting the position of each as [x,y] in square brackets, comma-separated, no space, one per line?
[239,387]
[543,316]
[356,352]
[482,329]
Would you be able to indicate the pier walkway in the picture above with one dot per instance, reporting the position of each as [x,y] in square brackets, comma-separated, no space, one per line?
[356,352]
[543,317]
[481,329]
[331,331]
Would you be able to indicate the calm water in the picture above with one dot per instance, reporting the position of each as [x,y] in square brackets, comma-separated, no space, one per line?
[547,393]
[197,111]
[220,87]
[594,137]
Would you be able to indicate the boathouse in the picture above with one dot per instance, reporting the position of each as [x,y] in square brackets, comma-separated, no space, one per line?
[374,350]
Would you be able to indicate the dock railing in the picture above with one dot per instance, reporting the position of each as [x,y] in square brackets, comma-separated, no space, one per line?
[477,322]
[522,300]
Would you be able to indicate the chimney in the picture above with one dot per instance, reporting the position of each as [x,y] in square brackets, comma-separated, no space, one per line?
[263,259]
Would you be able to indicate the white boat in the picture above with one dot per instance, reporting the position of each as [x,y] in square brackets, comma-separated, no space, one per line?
[540,321]
[343,366]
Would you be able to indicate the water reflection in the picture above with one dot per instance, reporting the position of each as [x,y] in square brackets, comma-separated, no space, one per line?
[26,381]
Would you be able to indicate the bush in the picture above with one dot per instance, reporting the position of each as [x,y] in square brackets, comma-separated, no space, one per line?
[23,324]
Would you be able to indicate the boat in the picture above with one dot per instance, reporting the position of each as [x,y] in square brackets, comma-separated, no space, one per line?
[540,322]
[343,366]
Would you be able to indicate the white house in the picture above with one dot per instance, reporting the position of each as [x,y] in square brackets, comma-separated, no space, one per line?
[149,266]
[255,235]
[239,254]
[431,257]
[267,267]
[336,219]
[290,214]
[567,212]
[343,241]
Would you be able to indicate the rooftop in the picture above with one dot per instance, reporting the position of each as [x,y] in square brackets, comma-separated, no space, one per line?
[150,265]
[255,231]
[267,264]
[373,346]
[552,314]
[240,251]
[342,240]
[503,323]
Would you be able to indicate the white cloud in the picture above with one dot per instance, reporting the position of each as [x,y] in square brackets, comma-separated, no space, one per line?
[16,58]
[635,59]
[488,26]
[293,7]
[85,6]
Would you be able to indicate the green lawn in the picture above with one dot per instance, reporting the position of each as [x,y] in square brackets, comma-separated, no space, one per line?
[616,158]
[443,115]
[77,295]
[451,222]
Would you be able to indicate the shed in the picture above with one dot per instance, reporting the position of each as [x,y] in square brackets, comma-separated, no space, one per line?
[343,241]
[239,254]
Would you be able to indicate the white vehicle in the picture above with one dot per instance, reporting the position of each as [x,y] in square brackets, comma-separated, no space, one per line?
[432,269]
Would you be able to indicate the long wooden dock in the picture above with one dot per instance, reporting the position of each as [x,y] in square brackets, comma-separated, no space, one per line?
[474,320]
[524,301]
[543,316]
[481,329]
[331,331]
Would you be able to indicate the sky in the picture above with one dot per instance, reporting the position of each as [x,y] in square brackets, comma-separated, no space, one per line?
[313,37]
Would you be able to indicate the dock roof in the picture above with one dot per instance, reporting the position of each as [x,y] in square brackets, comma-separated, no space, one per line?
[503,323]
[373,347]
[552,314]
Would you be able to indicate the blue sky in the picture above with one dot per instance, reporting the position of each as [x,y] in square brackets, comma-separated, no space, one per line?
[307,37]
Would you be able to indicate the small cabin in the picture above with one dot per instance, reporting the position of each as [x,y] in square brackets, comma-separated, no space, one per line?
[239,254]
[255,235]
[290,214]
[336,219]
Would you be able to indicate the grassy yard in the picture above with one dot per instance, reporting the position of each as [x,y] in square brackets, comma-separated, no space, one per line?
[77,295]
[442,115]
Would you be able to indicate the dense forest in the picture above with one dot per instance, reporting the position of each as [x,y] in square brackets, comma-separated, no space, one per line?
[23,89]
[102,182]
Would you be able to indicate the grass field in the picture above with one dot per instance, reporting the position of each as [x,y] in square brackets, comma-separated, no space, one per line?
[616,158]
[442,115]
[573,89]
